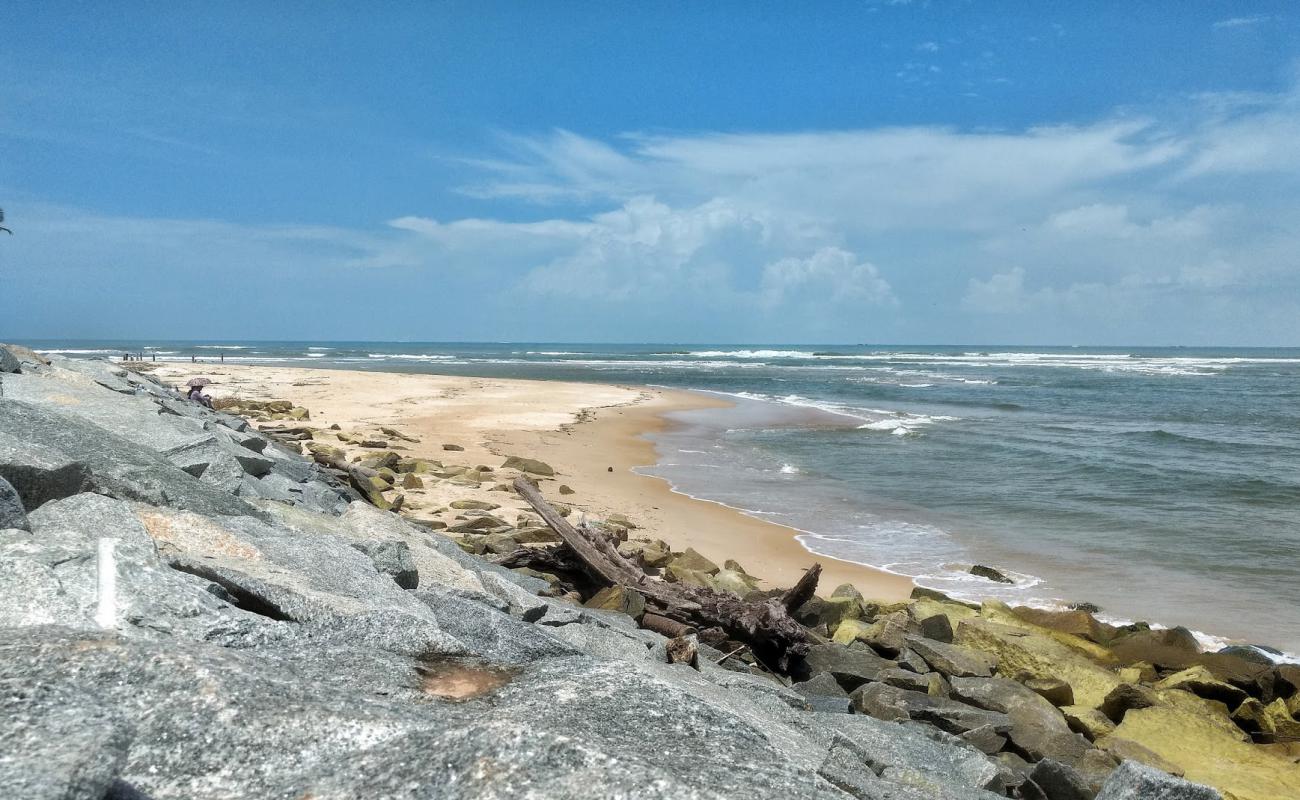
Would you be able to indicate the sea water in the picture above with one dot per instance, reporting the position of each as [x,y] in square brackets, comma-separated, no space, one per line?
[1159,483]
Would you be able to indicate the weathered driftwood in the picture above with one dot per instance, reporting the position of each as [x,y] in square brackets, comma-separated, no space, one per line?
[766,627]
[802,591]
[665,626]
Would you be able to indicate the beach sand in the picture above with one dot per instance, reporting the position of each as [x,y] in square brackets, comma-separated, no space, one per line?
[582,430]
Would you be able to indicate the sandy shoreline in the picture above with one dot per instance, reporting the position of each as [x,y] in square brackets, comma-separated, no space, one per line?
[582,430]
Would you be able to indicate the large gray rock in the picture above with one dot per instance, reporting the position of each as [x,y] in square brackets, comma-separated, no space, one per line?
[520,602]
[8,362]
[107,375]
[391,558]
[1134,781]
[270,570]
[59,745]
[208,462]
[823,693]
[323,719]
[888,748]
[153,600]
[852,666]
[12,513]
[48,455]
[489,633]
[131,417]
[886,702]
[1060,782]
[1038,728]
[953,660]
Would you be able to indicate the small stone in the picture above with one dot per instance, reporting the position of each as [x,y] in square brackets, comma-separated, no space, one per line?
[565,489]
[480,505]
[452,447]
[411,481]
[528,465]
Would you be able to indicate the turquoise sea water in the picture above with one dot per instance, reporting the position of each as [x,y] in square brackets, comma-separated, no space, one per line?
[1160,483]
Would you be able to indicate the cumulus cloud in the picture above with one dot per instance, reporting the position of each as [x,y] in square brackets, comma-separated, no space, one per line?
[831,276]
[936,229]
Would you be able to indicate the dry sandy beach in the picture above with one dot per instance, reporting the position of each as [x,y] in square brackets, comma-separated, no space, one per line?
[582,430]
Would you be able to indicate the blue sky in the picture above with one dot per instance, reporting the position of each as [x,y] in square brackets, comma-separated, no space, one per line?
[910,172]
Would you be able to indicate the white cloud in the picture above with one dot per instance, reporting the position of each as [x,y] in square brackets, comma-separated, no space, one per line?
[831,276]
[931,227]
[1239,22]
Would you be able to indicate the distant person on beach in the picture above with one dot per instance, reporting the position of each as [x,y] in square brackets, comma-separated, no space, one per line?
[196,394]
[195,387]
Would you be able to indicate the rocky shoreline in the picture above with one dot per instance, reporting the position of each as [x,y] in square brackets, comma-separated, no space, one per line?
[276,630]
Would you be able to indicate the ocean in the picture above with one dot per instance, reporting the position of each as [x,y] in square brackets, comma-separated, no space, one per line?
[1161,484]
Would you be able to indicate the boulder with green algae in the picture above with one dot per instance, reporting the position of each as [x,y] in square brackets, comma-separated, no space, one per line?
[848,590]
[536,535]
[1171,648]
[954,660]
[651,554]
[530,465]
[1000,612]
[738,583]
[1020,650]
[1199,681]
[621,520]
[693,561]
[1128,750]
[925,607]
[1053,690]
[850,630]
[620,599]
[411,481]
[1285,726]
[830,612]
[1076,622]
[1141,672]
[734,566]
[1206,752]
[1126,697]
[887,635]
[920,592]
[474,505]
[675,573]
[1088,721]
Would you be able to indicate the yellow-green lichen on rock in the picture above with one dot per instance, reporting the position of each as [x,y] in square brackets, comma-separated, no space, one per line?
[849,630]
[1205,752]
[925,607]
[1021,650]
[998,611]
